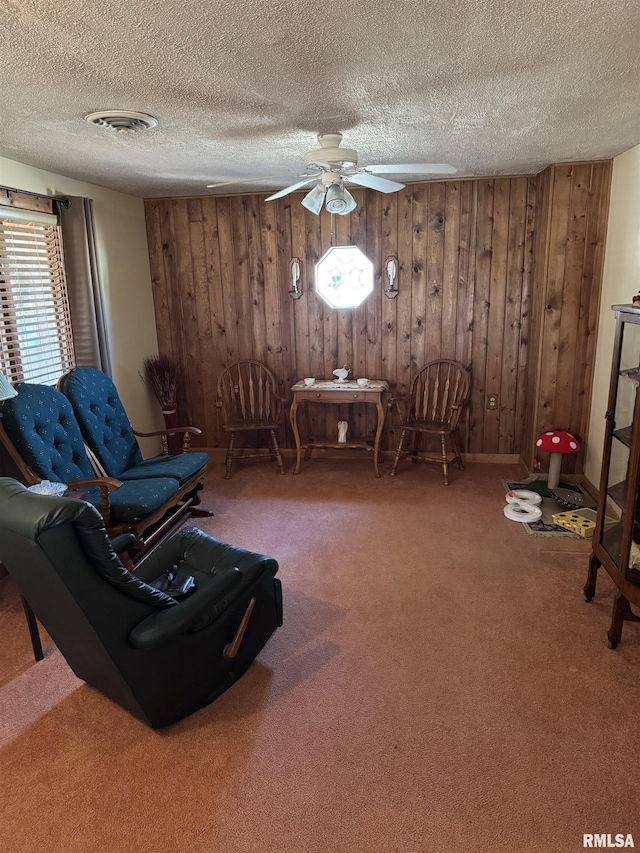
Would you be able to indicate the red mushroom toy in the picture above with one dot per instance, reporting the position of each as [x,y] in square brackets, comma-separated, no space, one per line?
[556,442]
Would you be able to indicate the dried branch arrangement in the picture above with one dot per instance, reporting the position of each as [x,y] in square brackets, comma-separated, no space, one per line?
[162,374]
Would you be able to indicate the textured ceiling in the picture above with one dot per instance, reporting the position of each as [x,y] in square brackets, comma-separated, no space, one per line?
[241,88]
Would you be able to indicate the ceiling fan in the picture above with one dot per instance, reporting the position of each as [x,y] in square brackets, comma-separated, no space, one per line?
[330,167]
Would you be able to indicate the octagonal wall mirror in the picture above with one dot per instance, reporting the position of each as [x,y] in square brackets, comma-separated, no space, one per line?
[344,277]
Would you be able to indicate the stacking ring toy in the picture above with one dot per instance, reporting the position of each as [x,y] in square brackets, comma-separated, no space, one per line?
[523,496]
[522,512]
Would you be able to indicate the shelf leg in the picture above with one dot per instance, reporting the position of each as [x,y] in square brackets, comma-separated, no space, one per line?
[614,634]
[592,577]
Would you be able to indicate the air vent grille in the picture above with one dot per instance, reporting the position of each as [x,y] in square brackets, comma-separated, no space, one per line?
[123,121]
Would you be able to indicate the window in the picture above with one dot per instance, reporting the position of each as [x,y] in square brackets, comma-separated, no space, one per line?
[36,343]
[344,277]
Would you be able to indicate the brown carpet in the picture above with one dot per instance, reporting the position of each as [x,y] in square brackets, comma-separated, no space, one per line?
[439,685]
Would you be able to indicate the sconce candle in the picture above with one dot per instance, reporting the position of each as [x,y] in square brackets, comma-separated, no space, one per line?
[391,274]
[296,267]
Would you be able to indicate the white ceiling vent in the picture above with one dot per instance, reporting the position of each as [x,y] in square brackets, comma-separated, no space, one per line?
[123,121]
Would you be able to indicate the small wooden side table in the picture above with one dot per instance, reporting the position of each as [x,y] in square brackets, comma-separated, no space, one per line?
[329,391]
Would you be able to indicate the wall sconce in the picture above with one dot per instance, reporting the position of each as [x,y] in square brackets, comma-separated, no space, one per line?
[296,272]
[391,274]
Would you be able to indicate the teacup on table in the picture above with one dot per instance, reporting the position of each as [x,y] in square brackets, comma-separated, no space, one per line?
[309,381]
[363,382]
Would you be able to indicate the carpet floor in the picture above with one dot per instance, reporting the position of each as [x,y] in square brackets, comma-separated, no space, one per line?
[439,685]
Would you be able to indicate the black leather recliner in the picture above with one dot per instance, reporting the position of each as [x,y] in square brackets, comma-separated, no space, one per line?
[159,658]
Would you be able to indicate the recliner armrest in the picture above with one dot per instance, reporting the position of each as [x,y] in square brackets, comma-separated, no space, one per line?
[194,550]
[166,624]
[123,542]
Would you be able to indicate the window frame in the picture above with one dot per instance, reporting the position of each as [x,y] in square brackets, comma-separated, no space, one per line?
[48,286]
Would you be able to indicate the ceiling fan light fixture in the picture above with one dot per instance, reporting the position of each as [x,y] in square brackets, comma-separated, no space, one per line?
[339,200]
[330,166]
[314,200]
[351,202]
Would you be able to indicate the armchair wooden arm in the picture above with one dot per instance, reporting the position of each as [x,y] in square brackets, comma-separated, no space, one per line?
[105,484]
[188,431]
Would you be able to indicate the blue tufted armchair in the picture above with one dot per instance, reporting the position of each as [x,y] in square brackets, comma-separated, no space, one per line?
[42,436]
[108,433]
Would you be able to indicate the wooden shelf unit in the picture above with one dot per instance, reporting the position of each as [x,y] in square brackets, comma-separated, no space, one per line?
[616,546]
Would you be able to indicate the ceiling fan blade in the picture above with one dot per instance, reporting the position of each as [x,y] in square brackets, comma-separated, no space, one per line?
[252,180]
[414,169]
[373,182]
[290,189]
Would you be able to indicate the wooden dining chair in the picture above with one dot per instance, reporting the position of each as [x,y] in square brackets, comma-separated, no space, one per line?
[436,399]
[248,399]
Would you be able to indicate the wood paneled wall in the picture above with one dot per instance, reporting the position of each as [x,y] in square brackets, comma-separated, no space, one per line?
[221,277]
[572,222]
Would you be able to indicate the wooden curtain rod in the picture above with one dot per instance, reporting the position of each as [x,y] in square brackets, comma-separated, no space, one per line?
[63,201]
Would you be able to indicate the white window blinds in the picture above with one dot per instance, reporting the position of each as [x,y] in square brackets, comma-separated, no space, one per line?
[36,343]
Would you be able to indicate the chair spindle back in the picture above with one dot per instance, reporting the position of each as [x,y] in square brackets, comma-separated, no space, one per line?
[247,391]
[439,392]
